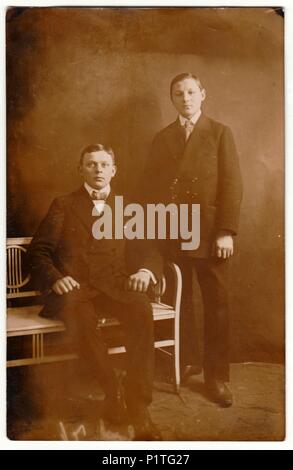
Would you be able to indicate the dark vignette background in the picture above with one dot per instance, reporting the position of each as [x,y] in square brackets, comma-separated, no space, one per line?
[82,75]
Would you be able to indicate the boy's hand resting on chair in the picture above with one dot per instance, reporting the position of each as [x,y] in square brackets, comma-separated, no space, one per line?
[139,281]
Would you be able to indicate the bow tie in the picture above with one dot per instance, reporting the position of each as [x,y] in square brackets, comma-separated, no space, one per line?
[99,196]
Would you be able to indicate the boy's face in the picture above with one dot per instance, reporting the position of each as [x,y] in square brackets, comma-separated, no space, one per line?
[97,169]
[187,97]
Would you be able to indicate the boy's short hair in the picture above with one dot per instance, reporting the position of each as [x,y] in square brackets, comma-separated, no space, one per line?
[96,148]
[183,76]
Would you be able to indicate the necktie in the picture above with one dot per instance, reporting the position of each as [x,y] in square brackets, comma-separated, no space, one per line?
[188,128]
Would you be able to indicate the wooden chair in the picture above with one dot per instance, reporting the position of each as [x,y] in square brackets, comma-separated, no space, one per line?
[25,320]
[162,311]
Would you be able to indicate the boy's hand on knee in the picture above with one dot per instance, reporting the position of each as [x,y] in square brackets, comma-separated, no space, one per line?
[65,285]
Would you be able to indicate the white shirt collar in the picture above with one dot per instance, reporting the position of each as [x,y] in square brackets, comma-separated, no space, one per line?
[105,190]
[193,120]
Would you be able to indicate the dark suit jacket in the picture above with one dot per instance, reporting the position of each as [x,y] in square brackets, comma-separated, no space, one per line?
[204,170]
[64,245]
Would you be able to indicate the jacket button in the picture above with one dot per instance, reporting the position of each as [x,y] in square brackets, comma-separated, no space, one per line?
[188,192]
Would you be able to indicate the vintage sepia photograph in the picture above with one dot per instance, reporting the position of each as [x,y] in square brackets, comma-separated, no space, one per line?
[145,250]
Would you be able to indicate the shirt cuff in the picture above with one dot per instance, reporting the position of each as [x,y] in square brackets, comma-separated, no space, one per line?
[224,232]
[153,278]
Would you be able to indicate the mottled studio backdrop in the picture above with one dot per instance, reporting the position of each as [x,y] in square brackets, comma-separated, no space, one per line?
[81,75]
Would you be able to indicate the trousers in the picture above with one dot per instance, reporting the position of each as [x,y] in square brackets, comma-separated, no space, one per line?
[81,314]
[213,277]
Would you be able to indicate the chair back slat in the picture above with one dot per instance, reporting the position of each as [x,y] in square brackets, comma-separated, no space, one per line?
[18,270]
[11,271]
[8,269]
[17,279]
[14,269]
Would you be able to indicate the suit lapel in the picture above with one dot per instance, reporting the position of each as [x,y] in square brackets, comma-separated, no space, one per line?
[199,138]
[175,140]
[83,206]
[200,132]
[199,143]
[110,201]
